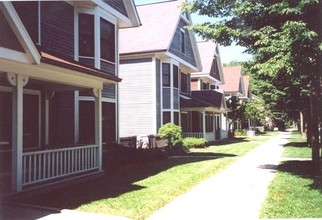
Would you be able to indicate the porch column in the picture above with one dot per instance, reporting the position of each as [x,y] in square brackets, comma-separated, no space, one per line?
[18,82]
[204,124]
[98,125]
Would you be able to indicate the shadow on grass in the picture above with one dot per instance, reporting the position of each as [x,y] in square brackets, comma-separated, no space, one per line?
[109,185]
[296,144]
[304,169]
[233,140]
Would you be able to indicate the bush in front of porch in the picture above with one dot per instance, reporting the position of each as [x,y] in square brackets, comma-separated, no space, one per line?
[193,142]
[116,156]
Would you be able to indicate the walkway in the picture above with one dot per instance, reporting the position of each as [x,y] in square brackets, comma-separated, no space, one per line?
[235,193]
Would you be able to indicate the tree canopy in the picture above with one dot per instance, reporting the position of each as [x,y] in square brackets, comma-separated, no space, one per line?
[284,37]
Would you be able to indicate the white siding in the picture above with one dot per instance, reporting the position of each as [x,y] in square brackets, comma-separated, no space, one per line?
[136,94]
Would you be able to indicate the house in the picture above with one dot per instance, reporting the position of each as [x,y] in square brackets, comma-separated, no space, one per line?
[237,89]
[158,61]
[58,87]
[234,82]
[209,120]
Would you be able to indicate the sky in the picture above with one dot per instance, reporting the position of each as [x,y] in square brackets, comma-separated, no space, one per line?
[227,54]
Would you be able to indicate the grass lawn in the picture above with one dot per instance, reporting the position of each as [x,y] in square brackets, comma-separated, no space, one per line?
[296,191]
[297,147]
[136,191]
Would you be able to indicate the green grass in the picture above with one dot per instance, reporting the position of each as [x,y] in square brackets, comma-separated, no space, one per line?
[296,191]
[136,191]
[297,147]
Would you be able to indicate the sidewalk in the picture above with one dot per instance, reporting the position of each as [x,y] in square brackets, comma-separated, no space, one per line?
[235,193]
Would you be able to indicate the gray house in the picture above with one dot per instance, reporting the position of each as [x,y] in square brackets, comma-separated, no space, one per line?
[157,62]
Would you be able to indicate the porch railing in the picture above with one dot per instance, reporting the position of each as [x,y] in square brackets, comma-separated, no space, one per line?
[39,166]
[193,134]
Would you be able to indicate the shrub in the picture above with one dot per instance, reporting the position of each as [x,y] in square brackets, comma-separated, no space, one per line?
[192,142]
[172,132]
[241,132]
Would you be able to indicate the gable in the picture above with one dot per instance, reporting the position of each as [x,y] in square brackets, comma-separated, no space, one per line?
[7,37]
[175,46]
[117,5]
[16,43]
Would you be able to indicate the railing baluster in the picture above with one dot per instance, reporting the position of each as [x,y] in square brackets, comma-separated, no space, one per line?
[49,164]
[34,170]
[24,169]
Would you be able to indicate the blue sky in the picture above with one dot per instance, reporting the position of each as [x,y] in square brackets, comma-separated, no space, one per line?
[227,54]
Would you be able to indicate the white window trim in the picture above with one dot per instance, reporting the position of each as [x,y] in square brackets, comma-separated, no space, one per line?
[98,13]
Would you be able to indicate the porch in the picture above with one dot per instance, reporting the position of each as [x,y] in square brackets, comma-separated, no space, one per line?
[42,133]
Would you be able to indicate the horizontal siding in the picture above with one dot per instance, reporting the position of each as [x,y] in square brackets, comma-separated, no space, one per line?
[175,45]
[117,5]
[57,28]
[136,99]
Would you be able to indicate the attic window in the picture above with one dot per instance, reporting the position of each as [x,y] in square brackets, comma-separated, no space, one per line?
[183,41]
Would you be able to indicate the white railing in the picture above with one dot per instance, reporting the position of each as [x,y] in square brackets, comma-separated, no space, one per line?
[39,166]
[193,134]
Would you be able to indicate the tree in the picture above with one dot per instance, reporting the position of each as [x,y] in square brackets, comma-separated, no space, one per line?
[284,38]
[258,110]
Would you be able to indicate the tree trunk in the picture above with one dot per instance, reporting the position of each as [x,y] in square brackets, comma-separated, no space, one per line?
[314,104]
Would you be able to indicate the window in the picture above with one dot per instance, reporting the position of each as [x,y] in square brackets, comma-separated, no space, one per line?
[86,35]
[183,41]
[107,41]
[209,122]
[205,86]
[175,77]
[184,84]
[165,74]
[166,117]
[176,118]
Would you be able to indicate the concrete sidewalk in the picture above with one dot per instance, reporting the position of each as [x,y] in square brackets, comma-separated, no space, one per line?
[235,193]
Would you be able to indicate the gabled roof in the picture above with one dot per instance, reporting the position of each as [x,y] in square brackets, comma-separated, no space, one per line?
[233,79]
[208,50]
[158,24]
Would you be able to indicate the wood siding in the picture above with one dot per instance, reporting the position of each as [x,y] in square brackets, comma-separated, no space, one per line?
[188,56]
[158,92]
[118,5]
[136,98]
[57,28]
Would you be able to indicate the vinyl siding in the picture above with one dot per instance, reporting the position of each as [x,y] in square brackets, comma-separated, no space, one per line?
[158,93]
[136,104]
[57,28]
[117,5]
[175,49]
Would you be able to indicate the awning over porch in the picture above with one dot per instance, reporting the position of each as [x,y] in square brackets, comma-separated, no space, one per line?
[209,100]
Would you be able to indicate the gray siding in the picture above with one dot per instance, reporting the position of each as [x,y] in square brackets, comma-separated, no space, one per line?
[108,67]
[137,98]
[109,91]
[175,45]
[57,28]
[158,92]
[117,5]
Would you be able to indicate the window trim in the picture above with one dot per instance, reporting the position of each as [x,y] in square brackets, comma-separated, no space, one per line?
[98,14]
